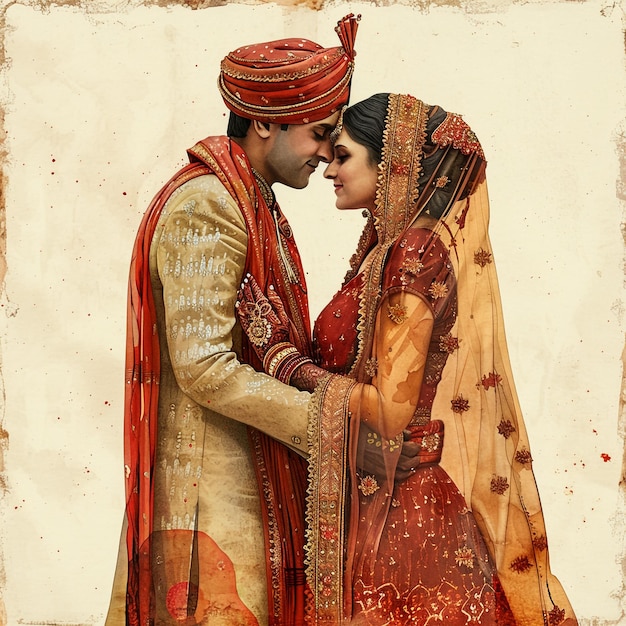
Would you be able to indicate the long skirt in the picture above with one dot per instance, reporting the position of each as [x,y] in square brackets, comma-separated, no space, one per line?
[432,565]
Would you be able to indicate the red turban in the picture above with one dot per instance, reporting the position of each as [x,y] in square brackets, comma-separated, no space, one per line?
[290,81]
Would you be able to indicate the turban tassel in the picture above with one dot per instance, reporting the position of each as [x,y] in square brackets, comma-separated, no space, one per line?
[346,29]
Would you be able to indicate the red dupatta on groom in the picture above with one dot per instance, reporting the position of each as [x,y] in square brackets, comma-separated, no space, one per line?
[281,473]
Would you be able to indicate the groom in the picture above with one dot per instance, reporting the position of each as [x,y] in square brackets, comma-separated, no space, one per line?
[214,450]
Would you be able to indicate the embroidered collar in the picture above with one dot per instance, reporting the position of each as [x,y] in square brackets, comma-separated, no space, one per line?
[266,190]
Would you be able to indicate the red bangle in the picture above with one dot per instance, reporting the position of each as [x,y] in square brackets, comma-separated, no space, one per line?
[273,355]
[289,364]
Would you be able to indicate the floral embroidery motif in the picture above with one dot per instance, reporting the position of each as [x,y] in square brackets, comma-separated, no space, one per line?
[499,485]
[327,585]
[448,343]
[328,531]
[374,440]
[454,130]
[441,182]
[540,543]
[521,564]
[371,367]
[482,257]
[465,556]
[397,313]
[556,616]
[506,429]
[260,329]
[431,443]
[402,169]
[460,404]
[438,290]
[368,485]
[491,380]
[523,457]
[412,265]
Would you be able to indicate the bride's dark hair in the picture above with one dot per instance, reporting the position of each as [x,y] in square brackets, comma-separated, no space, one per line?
[365,123]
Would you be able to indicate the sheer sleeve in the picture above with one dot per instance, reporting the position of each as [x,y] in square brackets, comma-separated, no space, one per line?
[418,292]
[403,331]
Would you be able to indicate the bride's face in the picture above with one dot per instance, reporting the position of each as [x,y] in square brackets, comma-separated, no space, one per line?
[353,174]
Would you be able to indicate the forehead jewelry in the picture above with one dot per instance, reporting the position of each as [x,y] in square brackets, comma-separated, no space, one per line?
[334,135]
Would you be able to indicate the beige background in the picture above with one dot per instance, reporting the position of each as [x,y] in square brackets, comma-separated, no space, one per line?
[100,101]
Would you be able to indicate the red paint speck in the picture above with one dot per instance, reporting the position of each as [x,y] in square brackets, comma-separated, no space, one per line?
[605,457]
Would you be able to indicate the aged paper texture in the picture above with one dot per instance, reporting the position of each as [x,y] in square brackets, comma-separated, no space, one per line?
[99,102]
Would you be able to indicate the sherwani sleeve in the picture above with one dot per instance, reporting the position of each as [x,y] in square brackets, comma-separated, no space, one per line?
[200,255]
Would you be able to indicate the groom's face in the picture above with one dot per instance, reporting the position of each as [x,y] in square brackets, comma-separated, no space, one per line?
[296,152]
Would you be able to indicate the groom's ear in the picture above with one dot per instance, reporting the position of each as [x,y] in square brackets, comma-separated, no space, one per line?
[262,129]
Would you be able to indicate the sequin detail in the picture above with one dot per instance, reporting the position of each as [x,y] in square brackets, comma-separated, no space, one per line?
[454,131]
[371,367]
[464,556]
[438,290]
[368,485]
[448,343]
[397,313]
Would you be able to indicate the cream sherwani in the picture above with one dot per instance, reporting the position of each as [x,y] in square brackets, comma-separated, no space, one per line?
[207,397]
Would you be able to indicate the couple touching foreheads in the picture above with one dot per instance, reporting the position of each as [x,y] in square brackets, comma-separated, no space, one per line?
[372,470]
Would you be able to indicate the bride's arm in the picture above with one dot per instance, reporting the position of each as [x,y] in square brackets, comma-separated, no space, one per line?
[403,332]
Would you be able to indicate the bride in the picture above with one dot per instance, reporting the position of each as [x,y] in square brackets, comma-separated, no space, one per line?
[414,341]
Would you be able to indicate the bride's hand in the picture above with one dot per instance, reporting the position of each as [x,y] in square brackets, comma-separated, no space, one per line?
[373,462]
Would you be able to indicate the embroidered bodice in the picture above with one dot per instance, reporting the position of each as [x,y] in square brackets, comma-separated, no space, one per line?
[418,264]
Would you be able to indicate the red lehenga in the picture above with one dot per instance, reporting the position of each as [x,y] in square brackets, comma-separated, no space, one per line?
[462,541]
